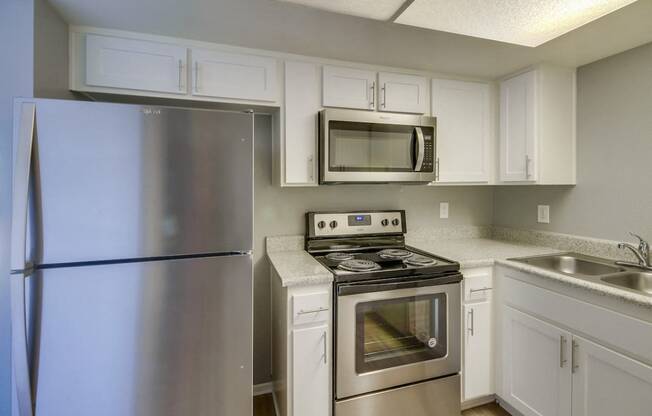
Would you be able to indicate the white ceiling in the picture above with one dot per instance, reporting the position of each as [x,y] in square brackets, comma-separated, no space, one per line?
[291,28]
[523,22]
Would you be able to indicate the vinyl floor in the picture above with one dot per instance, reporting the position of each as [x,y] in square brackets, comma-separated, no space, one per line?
[264,406]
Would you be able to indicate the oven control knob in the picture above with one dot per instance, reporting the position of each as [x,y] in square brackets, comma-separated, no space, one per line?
[395,222]
[321,224]
[333,224]
[385,222]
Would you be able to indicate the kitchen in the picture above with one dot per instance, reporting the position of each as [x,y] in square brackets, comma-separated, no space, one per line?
[593,188]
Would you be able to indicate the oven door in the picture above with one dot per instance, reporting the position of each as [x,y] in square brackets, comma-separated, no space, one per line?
[387,338]
[363,147]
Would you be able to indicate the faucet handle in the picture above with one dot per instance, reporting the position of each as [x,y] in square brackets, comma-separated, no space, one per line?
[642,244]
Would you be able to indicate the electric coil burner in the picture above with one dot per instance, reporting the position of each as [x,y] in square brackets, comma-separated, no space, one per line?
[397,316]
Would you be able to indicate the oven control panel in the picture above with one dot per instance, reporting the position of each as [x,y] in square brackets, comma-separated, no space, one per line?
[327,224]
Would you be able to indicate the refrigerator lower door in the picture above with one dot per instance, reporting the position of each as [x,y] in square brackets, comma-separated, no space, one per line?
[158,338]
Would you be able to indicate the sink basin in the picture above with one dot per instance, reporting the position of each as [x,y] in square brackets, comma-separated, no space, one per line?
[572,264]
[638,281]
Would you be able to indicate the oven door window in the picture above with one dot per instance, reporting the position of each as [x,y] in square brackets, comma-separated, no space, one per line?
[369,147]
[395,332]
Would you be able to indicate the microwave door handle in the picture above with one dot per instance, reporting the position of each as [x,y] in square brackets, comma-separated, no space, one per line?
[421,149]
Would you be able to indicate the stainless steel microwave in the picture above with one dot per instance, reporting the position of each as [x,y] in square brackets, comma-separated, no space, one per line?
[369,147]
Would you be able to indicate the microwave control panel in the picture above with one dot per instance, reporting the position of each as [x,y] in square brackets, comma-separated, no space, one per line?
[428,157]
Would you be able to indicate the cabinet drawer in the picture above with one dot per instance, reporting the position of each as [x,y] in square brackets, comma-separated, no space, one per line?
[477,285]
[310,308]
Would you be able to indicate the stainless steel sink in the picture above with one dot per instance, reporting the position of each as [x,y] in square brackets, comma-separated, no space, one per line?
[638,281]
[572,264]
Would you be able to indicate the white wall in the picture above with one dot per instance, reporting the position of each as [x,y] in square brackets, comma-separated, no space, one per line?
[16,79]
[614,146]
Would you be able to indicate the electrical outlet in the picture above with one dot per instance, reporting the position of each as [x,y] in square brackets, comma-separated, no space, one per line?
[543,214]
[443,210]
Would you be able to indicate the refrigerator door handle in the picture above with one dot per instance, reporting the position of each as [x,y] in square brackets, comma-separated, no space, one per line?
[19,345]
[25,132]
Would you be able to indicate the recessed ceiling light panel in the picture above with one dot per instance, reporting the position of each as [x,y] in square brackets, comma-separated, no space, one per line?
[371,9]
[523,22]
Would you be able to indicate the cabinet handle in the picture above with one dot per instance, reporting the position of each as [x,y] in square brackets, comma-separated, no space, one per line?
[372,104]
[480,290]
[180,75]
[384,95]
[562,344]
[527,167]
[574,365]
[472,326]
[311,168]
[302,312]
[196,76]
[325,348]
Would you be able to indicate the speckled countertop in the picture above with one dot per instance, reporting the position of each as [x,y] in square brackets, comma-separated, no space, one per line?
[478,252]
[296,267]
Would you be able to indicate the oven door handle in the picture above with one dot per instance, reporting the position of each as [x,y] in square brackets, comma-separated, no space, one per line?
[421,149]
[355,289]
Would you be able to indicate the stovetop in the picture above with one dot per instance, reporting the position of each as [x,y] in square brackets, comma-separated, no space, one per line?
[389,262]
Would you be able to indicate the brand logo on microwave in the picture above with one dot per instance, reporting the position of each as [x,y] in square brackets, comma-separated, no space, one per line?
[152,111]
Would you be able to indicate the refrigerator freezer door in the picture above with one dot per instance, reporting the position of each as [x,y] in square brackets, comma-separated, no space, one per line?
[159,338]
[116,181]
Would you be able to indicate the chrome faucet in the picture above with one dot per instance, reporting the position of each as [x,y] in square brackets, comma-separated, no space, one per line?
[642,253]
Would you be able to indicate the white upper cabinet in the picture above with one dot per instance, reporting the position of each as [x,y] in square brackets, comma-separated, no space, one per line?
[115,62]
[402,93]
[518,133]
[233,75]
[349,88]
[536,365]
[537,127]
[463,111]
[302,103]
[606,383]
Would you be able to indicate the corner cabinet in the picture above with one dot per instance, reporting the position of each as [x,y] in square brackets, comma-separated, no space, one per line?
[464,133]
[301,348]
[537,127]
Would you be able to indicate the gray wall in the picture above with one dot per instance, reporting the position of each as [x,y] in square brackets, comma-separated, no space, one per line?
[614,133]
[281,211]
[16,79]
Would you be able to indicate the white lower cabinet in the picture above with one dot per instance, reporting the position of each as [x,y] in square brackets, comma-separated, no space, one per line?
[310,371]
[606,383]
[478,374]
[536,365]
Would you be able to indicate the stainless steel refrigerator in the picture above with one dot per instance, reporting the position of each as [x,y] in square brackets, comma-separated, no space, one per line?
[131,281]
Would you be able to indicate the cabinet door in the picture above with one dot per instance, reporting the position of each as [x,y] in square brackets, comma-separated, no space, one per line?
[310,369]
[233,75]
[349,88]
[518,130]
[135,64]
[478,359]
[606,383]
[463,130]
[302,103]
[402,93]
[536,365]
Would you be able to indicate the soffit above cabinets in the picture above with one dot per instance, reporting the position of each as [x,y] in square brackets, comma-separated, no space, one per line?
[526,22]
[371,9]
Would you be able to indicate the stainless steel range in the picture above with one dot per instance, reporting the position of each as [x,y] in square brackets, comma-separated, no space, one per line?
[397,316]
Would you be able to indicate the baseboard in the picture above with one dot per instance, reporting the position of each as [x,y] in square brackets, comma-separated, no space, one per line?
[502,403]
[263,388]
[479,401]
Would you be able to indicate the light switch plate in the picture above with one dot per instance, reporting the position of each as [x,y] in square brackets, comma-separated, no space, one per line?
[443,210]
[543,214]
